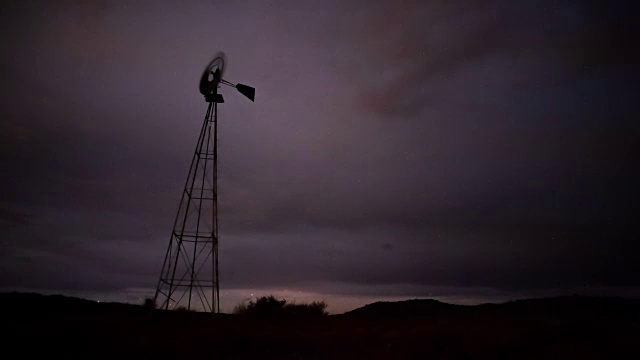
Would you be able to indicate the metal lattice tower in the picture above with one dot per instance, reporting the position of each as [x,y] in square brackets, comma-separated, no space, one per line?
[189,276]
[194,239]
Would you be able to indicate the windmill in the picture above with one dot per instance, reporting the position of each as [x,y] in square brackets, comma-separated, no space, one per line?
[189,276]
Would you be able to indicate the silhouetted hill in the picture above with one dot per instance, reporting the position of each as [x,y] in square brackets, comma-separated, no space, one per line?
[408,309]
[566,306]
[33,304]
[572,306]
[416,308]
[38,303]
[571,327]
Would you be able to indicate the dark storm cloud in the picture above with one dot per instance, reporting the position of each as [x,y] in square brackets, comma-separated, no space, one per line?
[554,256]
[412,46]
[528,127]
[443,143]
[14,218]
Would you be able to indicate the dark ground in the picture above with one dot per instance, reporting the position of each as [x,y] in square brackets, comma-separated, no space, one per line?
[37,326]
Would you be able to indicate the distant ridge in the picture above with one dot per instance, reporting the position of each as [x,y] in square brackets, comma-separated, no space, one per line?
[415,308]
[563,306]
[549,328]
[43,303]
[558,307]
[34,304]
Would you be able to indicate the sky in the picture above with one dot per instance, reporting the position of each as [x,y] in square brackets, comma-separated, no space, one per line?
[464,151]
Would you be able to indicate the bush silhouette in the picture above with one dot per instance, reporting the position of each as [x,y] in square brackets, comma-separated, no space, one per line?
[315,309]
[148,304]
[268,307]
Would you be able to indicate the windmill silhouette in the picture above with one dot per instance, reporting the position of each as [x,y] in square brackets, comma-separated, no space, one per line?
[189,276]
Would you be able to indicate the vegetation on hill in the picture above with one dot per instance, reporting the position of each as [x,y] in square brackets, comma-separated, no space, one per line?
[551,328]
[268,307]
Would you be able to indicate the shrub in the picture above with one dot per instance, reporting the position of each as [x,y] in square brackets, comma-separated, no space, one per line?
[270,307]
[240,308]
[149,304]
[315,309]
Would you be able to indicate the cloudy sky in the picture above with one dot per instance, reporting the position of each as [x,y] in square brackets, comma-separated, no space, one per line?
[468,151]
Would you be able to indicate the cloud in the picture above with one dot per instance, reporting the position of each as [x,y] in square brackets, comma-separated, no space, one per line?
[13,218]
[408,51]
[387,247]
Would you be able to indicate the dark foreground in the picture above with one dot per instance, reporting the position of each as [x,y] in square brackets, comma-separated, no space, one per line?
[37,326]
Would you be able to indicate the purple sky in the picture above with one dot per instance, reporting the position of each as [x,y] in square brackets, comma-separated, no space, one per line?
[461,150]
